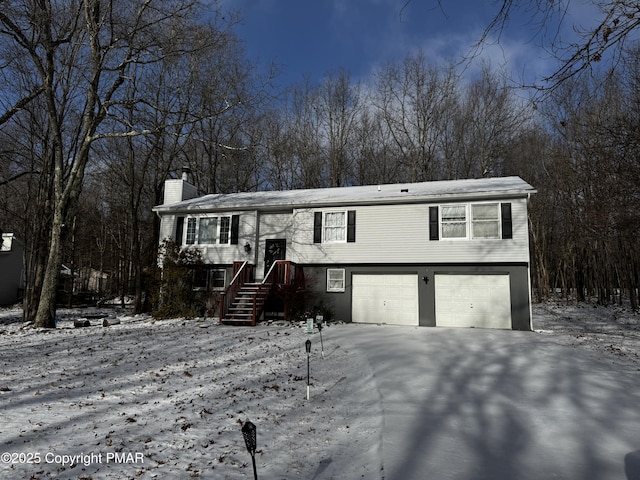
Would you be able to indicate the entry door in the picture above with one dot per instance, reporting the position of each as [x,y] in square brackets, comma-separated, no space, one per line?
[275,249]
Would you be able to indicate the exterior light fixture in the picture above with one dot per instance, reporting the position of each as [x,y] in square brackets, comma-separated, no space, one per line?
[247,247]
[249,434]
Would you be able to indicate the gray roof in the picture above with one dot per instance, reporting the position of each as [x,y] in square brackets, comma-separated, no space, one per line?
[445,190]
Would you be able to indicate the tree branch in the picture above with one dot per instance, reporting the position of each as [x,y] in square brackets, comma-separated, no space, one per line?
[20,105]
[18,175]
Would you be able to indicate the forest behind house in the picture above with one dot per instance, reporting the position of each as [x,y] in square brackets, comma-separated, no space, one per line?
[92,123]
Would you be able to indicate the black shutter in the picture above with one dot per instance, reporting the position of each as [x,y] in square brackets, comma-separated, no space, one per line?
[317,227]
[179,230]
[235,227]
[433,224]
[351,226]
[507,229]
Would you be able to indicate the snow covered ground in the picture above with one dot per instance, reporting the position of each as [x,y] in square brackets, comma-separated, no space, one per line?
[167,399]
[613,332]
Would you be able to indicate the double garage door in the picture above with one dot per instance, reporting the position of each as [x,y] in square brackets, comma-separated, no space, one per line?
[482,301]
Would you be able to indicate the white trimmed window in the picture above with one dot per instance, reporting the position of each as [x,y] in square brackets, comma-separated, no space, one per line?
[217,278]
[191,231]
[453,221]
[485,220]
[334,227]
[225,228]
[335,280]
[477,221]
[209,279]
[208,231]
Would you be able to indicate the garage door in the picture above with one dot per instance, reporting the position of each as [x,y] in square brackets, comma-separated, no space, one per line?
[482,301]
[391,299]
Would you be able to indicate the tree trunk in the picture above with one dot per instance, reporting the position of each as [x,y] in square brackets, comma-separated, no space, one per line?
[45,315]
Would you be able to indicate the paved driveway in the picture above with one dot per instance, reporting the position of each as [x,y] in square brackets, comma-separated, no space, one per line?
[471,404]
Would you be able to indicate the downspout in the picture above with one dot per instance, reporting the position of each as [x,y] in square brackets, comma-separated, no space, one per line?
[529,267]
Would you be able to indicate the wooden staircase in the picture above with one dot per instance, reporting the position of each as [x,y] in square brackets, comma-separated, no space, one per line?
[248,304]
[244,300]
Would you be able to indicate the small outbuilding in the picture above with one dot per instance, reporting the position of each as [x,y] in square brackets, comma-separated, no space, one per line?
[11,269]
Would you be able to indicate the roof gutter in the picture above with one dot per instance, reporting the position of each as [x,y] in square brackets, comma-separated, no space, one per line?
[187,207]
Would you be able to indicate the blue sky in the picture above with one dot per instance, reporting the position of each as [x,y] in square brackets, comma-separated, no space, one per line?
[314,37]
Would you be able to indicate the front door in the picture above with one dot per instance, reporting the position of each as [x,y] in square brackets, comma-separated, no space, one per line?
[275,249]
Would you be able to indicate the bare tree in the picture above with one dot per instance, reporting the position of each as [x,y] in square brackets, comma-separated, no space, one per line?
[221,147]
[305,132]
[594,174]
[483,125]
[374,160]
[615,22]
[414,100]
[80,53]
[338,106]
[278,155]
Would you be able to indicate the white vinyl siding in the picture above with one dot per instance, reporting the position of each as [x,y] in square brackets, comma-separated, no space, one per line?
[400,234]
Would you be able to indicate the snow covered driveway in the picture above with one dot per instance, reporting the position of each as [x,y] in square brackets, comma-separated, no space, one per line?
[470,404]
[166,399]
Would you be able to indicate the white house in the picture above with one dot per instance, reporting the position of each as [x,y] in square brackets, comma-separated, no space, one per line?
[443,253]
[11,269]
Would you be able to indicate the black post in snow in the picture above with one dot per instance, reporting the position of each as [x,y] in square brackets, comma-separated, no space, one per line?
[249,434]
[320,320]
[307,346]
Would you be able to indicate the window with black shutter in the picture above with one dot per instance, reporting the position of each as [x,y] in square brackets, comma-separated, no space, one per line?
[179,230]
[317,227]
[235,229]
[507,228]
[351,226]
[433,223]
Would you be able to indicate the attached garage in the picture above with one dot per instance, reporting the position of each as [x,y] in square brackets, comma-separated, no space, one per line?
[390,299]
[482,301]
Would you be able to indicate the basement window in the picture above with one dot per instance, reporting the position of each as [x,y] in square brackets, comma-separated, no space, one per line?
[335,280]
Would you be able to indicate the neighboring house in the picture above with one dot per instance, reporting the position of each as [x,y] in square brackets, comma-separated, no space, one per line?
[11,269]
[90,280]
[443,253]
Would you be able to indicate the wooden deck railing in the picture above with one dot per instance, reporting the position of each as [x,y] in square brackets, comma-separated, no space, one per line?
[242,273]
[283,272]
[283,279]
